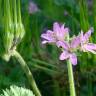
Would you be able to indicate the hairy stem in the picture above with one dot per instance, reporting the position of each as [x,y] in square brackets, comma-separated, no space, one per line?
[27,72]
[71,79]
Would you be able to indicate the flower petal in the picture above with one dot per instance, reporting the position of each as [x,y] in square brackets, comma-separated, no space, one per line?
[48,37]
[75,42]
[60,31]
[63,33]
[64,55]
[87,35]
[63,44]
[56,28]
[90,47]
[64,30]
[73,58]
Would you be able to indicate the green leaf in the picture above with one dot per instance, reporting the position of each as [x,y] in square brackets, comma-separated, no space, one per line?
[17,91]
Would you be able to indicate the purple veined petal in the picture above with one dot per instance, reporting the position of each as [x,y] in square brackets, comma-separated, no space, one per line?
[59,31]
[75,42]
[56,29]
[48,37]
[49,32]
[63,33]
[73,58]
[63,44]
[44,36]
[87,35]
[64,29]
[90,47]
[64,55]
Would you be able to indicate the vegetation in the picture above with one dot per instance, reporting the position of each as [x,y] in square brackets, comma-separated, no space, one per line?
[21,50]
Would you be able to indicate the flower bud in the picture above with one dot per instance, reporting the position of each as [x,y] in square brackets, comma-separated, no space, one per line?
[12,30]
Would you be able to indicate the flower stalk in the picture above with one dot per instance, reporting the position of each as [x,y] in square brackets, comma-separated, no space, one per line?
[71,79]
[11,35]
[27,72]
[69,47]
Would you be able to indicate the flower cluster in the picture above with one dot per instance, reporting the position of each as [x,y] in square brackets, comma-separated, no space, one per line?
[60,37]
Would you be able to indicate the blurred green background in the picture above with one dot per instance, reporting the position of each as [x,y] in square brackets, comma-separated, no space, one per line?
[50,73]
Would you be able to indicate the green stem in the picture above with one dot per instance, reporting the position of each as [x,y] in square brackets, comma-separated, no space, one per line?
[19,11]
[56,88]
[27,72]
[71,79]
[89,84]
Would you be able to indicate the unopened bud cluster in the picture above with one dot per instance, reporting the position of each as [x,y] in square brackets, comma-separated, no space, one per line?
[12,29]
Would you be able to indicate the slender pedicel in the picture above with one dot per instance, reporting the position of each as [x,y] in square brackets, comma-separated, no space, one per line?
[71,79]
[27,72]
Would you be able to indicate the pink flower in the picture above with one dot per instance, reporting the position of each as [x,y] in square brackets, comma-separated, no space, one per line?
[58,33]
[85,45]
[32,7]
[69,49]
